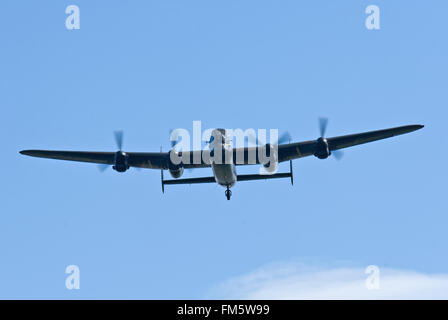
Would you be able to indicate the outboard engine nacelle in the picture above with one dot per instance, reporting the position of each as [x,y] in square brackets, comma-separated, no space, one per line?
[322,149]
[121,161]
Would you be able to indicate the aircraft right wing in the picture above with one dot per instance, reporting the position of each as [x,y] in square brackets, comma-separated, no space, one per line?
[303,149]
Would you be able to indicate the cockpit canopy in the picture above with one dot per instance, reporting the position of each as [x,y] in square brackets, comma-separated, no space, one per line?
[218,135]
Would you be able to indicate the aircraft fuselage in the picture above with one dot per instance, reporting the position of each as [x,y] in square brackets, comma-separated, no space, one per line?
[225,174]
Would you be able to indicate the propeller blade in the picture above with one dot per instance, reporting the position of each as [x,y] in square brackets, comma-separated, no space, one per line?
[323,122]
[176,138]
[119,138]
[172,142]
[338,154]
[103,167]
[284,138]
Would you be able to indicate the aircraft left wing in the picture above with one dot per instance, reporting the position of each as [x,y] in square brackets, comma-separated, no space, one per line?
[153,160]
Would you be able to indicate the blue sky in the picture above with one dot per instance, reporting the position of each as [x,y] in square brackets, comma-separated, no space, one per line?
[149,66]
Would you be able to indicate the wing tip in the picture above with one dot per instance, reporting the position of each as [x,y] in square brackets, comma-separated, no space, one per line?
[413,127]
[31,153]
[418,126]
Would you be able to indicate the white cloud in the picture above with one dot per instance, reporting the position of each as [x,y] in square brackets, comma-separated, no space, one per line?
[299,281]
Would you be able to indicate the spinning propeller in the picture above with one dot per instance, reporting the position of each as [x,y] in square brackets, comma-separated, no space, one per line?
[120,156]
[285,137]
[323,123]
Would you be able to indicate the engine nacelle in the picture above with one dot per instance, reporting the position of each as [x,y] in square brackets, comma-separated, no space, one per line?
[176,170]
[272,154]
[121,162]
[322,149]
[271,167]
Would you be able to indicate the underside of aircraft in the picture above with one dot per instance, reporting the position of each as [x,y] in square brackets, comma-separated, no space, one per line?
[224,171]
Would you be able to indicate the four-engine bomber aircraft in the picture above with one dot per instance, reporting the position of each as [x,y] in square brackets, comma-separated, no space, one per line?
[224,173]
